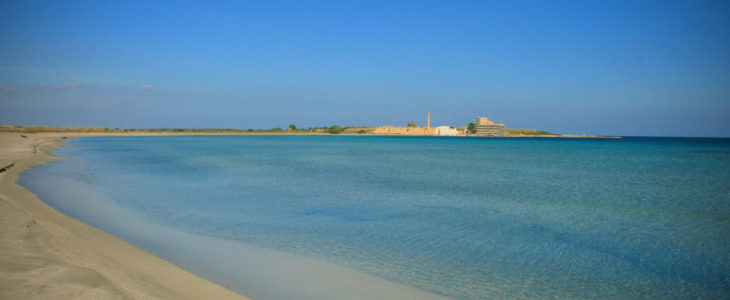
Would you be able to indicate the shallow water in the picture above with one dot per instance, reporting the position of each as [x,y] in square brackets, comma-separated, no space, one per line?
[468,218]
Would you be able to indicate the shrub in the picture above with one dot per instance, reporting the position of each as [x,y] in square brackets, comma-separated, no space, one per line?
[334,129]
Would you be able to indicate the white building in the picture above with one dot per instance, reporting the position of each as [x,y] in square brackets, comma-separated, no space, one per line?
[445,130]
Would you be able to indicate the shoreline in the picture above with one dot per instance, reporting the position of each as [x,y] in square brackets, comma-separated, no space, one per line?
[48,255]
[72,133]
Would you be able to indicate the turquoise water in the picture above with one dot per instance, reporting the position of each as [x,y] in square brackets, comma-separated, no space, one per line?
[468,218]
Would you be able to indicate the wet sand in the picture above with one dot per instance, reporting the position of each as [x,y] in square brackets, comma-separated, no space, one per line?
[47,255]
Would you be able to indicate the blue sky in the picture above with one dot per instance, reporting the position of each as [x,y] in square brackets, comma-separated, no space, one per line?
[657,68]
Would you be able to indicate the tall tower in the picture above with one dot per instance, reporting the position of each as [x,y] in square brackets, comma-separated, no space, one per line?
[428,120]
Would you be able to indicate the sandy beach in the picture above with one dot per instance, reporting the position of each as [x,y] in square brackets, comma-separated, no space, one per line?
[47,255]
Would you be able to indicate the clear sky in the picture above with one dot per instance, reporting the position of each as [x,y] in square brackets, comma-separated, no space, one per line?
[606,67]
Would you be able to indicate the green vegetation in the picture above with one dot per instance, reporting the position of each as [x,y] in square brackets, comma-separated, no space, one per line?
[205,130]
[35,129]
[518,131]
[359,130]
[292,129]
[411,123]
[334,129]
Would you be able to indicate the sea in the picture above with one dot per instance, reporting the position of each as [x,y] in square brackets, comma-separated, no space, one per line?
[287,216]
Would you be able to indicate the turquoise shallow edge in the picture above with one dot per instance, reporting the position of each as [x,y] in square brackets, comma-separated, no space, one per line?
[466,218]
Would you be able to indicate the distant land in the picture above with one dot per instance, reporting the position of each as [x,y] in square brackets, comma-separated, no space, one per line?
[292,129]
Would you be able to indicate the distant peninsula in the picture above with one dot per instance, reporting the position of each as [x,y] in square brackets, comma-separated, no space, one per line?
[292,129]
[482,127]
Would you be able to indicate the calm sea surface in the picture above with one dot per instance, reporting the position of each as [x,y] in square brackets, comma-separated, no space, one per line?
[467,218]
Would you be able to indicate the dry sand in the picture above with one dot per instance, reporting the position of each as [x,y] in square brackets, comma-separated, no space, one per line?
[47,255]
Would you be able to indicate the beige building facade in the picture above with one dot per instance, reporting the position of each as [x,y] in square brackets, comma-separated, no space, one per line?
[401,130]
[485,127]
[428,130]
[405,130]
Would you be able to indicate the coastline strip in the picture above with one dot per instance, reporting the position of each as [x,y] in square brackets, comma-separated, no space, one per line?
[47,255]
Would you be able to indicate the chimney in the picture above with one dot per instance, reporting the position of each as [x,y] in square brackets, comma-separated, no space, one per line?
[428,120]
